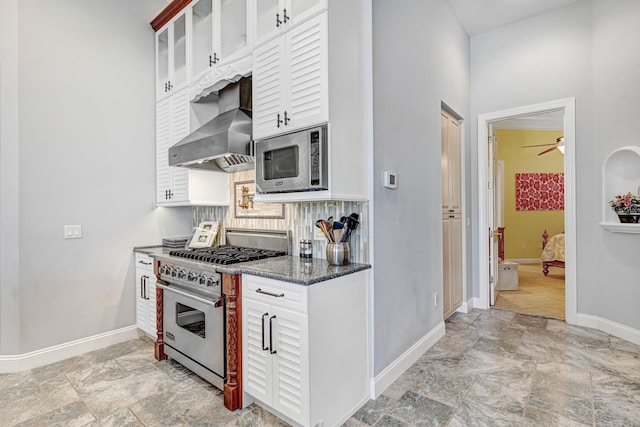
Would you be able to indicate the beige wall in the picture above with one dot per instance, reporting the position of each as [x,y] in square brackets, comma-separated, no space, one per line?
[523,229]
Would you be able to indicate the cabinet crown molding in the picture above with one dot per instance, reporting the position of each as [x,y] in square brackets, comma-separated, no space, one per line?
[168,13]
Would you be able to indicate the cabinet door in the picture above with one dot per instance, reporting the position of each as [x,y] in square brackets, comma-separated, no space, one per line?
[163,142]
[290,364]
[162,62]
[232,24]
[446,267]
[307,99]
[452,263]
[202,25]
[267,20]
[451,163]
[142,312]
[171,57]
[179,56]
[456,261]
[180,127]
[257,362]
[268,88]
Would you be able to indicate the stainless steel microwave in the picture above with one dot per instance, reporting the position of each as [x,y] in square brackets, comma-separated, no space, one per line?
[293,162]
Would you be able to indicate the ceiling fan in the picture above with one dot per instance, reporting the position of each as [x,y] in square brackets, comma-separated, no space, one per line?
[559,144]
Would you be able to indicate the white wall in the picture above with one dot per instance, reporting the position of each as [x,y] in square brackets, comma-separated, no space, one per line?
[85,104]
[588,51]
[420,59]
[9,197]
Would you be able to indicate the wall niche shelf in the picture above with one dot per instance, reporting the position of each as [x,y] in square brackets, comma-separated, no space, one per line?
[620,175]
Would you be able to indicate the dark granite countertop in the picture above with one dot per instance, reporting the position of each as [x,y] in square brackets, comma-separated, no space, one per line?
[293,269]
[285,268]
[153,250]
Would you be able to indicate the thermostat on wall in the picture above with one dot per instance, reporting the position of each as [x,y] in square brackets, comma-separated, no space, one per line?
[390,179]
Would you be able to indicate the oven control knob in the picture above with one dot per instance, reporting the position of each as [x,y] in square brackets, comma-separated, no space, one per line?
[163,269]
[211,281]
[173,271]
[192,276]
[182,273]
[203,279]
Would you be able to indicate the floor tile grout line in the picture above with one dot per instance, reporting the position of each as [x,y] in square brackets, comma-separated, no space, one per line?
[84,402]
[459,405]
[593,397]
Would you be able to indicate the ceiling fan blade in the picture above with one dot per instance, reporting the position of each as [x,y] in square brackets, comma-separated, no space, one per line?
[548,150]
[539,145]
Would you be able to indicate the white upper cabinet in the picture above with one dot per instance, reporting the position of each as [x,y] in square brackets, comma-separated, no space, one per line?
[171,57]
[220,49]
[290,80]
[272,17]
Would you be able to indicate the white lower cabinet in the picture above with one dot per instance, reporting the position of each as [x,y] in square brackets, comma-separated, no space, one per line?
[299,358]
[145,295]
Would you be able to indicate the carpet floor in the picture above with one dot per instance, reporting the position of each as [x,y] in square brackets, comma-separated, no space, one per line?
[537,294]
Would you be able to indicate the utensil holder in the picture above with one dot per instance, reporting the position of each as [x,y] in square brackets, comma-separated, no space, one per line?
[338,253]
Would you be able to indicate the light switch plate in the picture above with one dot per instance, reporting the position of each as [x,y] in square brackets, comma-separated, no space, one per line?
[73,231]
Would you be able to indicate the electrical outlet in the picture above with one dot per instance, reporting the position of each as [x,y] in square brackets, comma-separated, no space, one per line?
[524,246]
[435,299]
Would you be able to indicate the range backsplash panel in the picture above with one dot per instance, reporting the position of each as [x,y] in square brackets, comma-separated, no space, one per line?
[299,219]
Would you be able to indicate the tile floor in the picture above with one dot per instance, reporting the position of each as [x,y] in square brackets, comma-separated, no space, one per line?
[492,368]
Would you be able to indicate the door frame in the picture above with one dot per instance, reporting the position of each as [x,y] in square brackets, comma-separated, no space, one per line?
[566,105]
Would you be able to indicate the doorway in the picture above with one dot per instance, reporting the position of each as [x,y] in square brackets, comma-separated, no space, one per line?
[529,204]
[485,198]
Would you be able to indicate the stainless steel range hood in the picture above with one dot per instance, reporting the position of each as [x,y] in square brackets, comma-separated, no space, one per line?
[224,143]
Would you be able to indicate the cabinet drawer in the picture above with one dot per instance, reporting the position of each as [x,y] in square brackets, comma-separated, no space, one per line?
[276,293]
[144,261]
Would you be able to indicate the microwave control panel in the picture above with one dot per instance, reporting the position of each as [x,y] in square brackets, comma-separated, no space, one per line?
[314,152]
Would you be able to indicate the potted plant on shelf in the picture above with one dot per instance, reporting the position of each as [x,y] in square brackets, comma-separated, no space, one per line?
[627,207]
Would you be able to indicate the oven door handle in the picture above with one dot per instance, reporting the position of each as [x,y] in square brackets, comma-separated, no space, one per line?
[163,285]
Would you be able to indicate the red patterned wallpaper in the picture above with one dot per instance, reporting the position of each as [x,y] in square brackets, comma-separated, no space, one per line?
[539,192]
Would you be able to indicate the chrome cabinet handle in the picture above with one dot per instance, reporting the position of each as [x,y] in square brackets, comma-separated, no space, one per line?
[145,263]
[272,351]
[278,21]
[271,294]
[141,292]
[278,121]
[263,346]
[286,119]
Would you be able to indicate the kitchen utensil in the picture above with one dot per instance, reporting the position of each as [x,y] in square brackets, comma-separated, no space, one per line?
[324,227]
[338,230]
[351,223]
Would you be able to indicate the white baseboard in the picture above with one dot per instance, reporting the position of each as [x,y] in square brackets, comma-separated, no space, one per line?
[525,260]
[464,308]
[475,302]
[613,328]
[392,372]
[56,353]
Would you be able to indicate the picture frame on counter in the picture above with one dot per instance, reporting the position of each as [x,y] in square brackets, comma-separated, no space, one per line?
[204,235]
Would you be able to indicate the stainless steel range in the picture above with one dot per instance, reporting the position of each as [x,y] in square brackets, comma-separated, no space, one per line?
[193,301]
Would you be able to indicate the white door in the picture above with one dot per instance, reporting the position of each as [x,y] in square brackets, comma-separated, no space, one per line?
[493,225]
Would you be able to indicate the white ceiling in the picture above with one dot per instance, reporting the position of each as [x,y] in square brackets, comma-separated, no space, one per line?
[481,16]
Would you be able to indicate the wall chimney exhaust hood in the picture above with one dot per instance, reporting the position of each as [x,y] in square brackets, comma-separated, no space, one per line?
[225,142]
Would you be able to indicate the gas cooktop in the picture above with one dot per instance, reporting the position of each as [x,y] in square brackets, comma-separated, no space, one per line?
[226,255]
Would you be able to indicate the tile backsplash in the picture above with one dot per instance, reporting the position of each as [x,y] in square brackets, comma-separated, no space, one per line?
[299,219]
